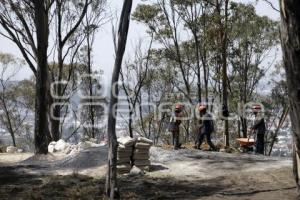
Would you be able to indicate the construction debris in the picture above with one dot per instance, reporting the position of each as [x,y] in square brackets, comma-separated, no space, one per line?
[124,154]
[133,153]
[141,154]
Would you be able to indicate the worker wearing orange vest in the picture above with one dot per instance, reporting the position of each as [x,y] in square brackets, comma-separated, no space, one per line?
[206,128]
[174,128]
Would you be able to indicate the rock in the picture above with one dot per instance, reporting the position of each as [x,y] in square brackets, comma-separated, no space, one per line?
[93,140]
[11,149]
[135,171]
[61,145]
[83,145]
[20,150]
[68,149]
[73,151]
[223,150]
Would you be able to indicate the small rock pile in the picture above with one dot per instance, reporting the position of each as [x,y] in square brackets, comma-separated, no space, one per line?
[141,154]
[124,154]
[12,149]
[133,153]
[67,148]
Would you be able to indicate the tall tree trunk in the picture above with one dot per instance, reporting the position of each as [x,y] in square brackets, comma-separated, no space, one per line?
[198,65]
[224,42]
[90,71]
[42,82]
[111,178]
[290,40]
[55,124]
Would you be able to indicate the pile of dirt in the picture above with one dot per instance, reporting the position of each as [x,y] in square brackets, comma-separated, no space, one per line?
[92,157]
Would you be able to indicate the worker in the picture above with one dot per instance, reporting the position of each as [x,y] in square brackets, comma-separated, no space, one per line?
[174,126]
[206,128]
[259,128]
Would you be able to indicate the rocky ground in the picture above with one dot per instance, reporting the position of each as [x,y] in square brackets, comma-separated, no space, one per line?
[183,174]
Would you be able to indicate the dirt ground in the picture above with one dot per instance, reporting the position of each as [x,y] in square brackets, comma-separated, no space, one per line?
[184,174]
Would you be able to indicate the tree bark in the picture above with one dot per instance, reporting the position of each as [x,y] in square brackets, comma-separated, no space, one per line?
[223,52]
[42,82]
[111,178]
[290,40]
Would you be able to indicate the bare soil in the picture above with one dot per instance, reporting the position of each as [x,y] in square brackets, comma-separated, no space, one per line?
[184,174]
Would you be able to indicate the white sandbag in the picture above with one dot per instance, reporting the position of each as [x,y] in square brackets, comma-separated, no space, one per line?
[144,140]
[20,151]
[141,145]
[124,166]
[141,151]
[123,160]
[61,145]
[142,162]
[11,149]
[123,169]
[141,157]
[126,141]
[51,148]
[124,155]
[122,148]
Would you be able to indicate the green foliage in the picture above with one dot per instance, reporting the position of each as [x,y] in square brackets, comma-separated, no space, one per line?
[146,13]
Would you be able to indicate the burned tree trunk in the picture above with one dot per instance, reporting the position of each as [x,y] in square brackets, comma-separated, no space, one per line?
[42,84]
[290,39]
[111,179]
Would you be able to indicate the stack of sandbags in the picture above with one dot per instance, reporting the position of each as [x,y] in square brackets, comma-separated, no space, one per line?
[124,154]
[141,155]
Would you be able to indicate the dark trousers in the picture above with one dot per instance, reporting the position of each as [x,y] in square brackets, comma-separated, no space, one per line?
[260,144]
[175,138]
[200,139]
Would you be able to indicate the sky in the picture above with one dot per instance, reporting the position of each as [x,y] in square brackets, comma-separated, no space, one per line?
[103,48]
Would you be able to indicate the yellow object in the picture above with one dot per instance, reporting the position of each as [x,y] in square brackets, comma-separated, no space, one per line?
[245,141]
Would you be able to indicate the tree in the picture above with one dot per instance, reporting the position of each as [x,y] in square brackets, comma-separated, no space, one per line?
[133,77]
[17,21]
[194,14]
[69,15]
[13,107]
[222,11]
[42,77]
[162,19]
[111,178]
[94,18]
[290,40]
[252,38]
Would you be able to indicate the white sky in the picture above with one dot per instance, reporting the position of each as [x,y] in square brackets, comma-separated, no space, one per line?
[103,47]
